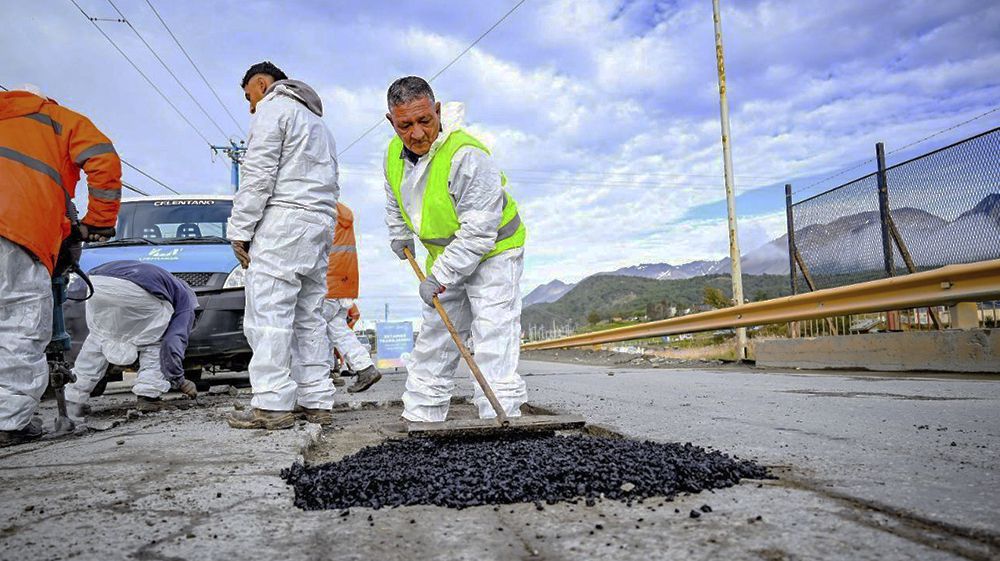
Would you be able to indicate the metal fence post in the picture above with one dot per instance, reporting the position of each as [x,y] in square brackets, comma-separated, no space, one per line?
[892,317]
[789,219]
[883,208]
[793,327]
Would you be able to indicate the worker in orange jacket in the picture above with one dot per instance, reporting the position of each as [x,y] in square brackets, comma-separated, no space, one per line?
[353,315]
[341,290]
[43,147]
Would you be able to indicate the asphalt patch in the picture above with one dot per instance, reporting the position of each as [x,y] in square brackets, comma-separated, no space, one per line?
[514,469]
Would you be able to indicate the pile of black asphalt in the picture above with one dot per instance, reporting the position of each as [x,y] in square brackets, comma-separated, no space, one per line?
[538,469]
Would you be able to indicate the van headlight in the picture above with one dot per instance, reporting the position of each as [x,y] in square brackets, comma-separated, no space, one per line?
[236,278]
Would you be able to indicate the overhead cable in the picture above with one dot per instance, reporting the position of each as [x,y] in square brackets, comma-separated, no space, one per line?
[143,74]
[901,148]
[439,72]
[155,180]
[167,68]
[133,188]
[196,69]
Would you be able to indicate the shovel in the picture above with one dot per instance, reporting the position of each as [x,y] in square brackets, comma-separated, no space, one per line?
[502,424]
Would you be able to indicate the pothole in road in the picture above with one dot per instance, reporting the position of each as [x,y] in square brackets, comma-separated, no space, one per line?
[459,473]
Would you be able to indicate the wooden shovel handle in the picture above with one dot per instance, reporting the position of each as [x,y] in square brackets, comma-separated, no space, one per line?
[476,373]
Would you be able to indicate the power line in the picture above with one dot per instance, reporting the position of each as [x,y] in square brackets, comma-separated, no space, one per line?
[141,73]
[650,174]
[478,39]
[155,180]
[133,188]
[574,182]
[614,174]
[942,131]
[439,72]
[196,69]
[901,148]
[167,68]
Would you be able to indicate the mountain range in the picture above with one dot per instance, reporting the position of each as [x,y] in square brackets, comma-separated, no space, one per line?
[846,244]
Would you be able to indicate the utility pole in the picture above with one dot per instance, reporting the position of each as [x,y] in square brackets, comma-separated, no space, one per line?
[727,162]
[235,153]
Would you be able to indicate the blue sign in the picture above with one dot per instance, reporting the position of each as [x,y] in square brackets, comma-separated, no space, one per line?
[394,341]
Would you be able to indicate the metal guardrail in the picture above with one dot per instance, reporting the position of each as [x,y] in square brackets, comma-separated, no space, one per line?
[972,282]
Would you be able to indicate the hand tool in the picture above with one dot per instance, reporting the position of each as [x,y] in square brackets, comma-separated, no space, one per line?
[502,424]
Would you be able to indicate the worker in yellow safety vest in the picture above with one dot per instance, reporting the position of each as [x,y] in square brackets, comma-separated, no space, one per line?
[443,186]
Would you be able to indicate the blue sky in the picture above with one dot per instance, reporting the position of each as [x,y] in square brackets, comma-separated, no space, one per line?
[603,114]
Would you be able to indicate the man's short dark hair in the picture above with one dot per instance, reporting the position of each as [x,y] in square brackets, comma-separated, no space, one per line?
[266,67]
[408,88]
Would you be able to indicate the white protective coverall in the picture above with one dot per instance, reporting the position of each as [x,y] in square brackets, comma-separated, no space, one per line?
[343,337]
[286,208]
[125,322]
[483,298]
[25,330]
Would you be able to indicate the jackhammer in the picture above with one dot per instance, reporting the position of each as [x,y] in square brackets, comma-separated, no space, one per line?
[59,368]
[60,372]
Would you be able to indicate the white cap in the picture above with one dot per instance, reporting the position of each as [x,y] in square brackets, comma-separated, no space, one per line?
[31,88]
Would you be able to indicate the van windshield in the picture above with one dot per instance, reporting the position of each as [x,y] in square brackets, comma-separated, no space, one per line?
[174,220]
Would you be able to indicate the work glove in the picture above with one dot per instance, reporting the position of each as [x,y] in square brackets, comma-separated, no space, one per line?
[242,250]
[96,233]
[429,288]
[398,245]
[188,388]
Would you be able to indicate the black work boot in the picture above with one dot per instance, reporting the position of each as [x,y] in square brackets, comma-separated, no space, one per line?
[338,380]
[366,379]
[31,431]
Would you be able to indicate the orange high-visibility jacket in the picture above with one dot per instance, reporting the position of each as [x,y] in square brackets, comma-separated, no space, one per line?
[342,272]
[43,147]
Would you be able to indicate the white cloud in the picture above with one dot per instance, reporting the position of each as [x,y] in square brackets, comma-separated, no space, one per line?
[603,113]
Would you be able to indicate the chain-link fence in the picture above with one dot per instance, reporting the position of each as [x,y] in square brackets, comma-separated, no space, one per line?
[937,209]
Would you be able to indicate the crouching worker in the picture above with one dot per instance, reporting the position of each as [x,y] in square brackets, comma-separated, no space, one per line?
[138,310]
[341,290]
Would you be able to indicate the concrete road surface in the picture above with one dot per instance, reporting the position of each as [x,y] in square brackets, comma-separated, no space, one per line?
[870,467]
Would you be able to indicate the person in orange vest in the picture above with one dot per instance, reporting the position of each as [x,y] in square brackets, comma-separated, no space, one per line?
[353,315]
[43,147]
[341,290]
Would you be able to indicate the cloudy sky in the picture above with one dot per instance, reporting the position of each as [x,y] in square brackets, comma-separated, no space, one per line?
[604,114]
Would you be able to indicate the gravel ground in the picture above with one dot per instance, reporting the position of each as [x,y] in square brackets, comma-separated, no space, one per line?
[860,478]
[462,473]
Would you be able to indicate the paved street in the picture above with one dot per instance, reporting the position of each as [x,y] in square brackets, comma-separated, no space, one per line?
[866,465]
